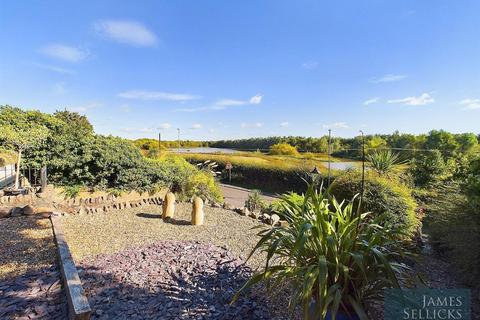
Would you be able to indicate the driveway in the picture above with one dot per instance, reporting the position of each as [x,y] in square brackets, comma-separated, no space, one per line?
[237,196]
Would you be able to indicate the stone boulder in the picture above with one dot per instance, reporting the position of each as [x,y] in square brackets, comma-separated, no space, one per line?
[274,219]
[28,210]
[16,212]
[4,212]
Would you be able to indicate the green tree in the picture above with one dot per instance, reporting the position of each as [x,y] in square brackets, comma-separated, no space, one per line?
[22,139]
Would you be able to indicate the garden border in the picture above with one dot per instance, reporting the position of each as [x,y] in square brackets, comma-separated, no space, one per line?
[78,306]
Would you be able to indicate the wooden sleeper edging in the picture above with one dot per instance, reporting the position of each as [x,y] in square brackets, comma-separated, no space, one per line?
[78,306]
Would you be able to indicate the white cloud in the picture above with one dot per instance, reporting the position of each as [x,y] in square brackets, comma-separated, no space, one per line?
[256,99]
[128,32]
[196,126]
[156,95]
[125,108]
[470,104]
[310,65]
[54,68]
[244,125]
[142,130]
[85,107]
[229,102]
[165,126]
[336,125]
[371,101]
[64,52]
[225,103]
[421,100]
[284,124]
[389,78]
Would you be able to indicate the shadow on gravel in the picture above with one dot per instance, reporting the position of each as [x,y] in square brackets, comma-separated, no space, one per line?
[165,281]
[149,215]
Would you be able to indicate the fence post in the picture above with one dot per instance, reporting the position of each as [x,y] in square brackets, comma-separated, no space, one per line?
[43,177]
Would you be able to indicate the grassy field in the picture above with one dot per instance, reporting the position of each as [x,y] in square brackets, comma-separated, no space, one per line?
[256,159]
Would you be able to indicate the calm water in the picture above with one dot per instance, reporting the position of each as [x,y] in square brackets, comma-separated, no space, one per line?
[203,150]
[341,165]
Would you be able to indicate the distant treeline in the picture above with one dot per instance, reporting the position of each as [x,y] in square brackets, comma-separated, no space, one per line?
[152,144]
[446,142]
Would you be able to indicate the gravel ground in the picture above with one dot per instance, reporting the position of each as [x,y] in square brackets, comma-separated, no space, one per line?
[36,294]
[26,245]
[89,235]
[29,279]
[171,279]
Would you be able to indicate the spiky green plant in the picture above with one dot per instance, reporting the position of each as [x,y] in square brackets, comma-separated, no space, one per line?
[334,259]
[383,161]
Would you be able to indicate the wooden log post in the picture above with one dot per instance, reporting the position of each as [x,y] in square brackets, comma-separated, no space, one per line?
[168,206]
[198,216]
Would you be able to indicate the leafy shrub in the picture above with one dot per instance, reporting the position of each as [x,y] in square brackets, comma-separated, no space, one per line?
[382,196]
[203,184]
[333,258]
[73,191]
[427,168]
[283,149]
[255,202]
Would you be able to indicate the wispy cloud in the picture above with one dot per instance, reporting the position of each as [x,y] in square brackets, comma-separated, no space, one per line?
[225,103]
[388,78]
[64,52]
[421,100]
[284,124]
[157,95]
[336,125]
[371,101]
[53,68]
[164,126]
[126,31]
[196,126]
[470,104]
[85,107]
[244,125]
[142,130]
[310,65]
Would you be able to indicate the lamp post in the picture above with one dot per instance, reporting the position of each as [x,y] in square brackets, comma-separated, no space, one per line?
[328,151]
[178,131]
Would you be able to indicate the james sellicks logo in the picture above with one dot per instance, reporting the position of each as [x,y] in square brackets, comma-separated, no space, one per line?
[427,304]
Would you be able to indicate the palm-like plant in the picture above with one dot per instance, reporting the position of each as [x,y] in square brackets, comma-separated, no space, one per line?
[383,161]
[334,259]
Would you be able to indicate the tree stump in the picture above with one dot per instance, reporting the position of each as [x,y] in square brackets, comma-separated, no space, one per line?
[168,206]
[198,215]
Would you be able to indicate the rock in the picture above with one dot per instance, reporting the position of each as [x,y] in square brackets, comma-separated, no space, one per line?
[4,212]
[227,206]
[168,206]
[215,205]
[253,215]
[274,219]
[16,212]
[28,210]
[265,217]
[245,211]
[198,216]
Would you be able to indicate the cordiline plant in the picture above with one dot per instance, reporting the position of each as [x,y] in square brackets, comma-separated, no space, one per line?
[334,259]
[384,161]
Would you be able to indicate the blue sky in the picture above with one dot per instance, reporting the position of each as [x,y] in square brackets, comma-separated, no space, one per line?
[231,69]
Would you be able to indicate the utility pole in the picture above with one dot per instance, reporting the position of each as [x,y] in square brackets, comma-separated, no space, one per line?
[328,151]
[159,142]
[363,167]
[178,131]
